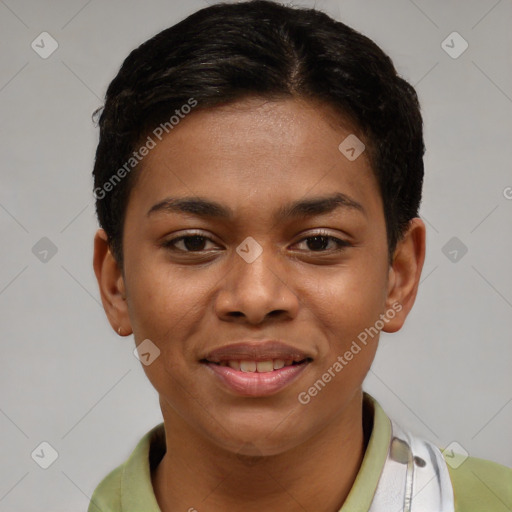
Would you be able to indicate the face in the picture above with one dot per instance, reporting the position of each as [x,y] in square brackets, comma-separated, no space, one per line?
[252,243]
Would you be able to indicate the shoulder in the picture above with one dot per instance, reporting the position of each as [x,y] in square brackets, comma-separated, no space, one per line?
[107,495]
[480,484]
[130,483]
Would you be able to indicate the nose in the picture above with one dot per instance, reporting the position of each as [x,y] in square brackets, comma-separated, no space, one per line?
[257,291]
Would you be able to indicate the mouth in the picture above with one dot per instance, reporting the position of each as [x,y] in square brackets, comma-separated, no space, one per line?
[256,369]
[253,366]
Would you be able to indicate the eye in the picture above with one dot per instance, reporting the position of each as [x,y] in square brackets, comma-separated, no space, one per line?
[195,243]
[323,242]
[188,243]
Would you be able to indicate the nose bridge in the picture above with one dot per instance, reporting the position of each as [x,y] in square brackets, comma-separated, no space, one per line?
[256,263]
[256,266]
[256,284]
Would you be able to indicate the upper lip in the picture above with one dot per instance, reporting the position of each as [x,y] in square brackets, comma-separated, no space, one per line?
[262,350]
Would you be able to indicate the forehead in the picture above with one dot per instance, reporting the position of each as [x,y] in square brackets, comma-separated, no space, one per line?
[257,149]
[257,127]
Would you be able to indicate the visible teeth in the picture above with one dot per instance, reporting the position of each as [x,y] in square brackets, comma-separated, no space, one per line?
[278,363]
[248,366]
[257,366]
[265,366]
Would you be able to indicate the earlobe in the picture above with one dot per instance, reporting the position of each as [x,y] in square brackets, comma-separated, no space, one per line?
[111,285]
[404,273]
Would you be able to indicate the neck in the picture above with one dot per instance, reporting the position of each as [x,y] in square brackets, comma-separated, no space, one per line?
[315,475]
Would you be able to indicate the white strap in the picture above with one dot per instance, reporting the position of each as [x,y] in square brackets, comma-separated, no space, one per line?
[414,478]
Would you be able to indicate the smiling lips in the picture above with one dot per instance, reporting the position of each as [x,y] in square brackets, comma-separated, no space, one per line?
[260,368]
[257,366]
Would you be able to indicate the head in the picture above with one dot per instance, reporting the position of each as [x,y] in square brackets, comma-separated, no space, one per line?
[250,109]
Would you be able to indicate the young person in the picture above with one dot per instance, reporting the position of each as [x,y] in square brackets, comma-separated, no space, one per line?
[257,181]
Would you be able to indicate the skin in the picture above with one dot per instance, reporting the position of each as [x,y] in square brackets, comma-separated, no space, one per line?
[231,452]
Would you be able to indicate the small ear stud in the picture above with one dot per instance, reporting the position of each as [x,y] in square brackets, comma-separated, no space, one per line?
[119,331]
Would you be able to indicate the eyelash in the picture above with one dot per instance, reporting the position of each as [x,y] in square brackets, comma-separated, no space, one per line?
[341,244]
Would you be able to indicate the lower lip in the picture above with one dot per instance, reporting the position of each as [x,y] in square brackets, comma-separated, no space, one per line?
[254,383]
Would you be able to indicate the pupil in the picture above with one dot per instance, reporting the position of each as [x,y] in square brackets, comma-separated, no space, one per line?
[194,243]
[316,245]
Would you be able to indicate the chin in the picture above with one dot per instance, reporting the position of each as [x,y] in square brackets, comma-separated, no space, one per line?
[259,440]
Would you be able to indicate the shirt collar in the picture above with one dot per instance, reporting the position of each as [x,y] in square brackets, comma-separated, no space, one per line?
[361,494]
[137,490]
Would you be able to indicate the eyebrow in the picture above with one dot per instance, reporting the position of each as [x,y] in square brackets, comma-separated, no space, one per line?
[302,208]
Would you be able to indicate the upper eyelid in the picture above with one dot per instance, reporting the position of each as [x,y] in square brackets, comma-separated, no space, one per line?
[176,239]
[321,233]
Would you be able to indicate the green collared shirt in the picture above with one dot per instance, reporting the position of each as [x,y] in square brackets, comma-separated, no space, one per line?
[479,485]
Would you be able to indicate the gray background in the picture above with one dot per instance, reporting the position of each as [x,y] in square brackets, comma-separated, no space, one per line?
[69,380]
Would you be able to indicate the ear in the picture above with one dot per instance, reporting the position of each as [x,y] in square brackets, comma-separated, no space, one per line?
[111,284]
[404,274]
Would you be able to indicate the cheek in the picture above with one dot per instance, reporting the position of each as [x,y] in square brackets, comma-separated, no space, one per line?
[166,311]
[349,301]
[346,309]
[166,308]
[161,301]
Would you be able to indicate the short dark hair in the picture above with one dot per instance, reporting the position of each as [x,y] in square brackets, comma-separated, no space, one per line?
[228,52]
